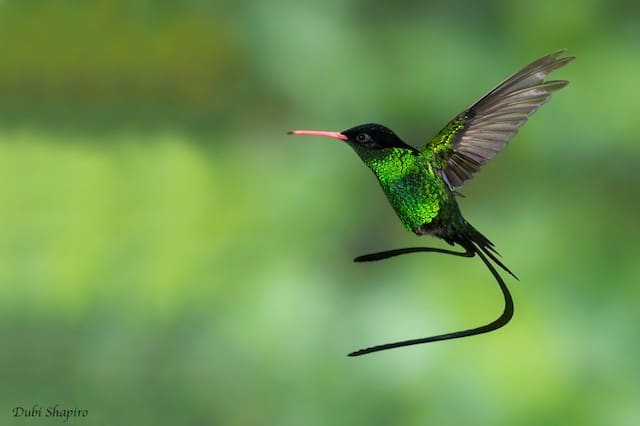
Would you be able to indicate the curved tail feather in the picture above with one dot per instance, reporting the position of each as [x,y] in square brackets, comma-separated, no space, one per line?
[474,243]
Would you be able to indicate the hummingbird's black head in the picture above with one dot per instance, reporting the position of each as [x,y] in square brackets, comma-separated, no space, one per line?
[363,138]
[374,136]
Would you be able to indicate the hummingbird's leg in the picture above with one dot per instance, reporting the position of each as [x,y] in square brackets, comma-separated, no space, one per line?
[502,320]
[470,252]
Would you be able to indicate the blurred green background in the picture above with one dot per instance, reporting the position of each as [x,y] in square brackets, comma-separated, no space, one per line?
[168,256]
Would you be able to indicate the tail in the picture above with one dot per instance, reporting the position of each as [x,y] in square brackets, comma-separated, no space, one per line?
[474,243]
[471,239]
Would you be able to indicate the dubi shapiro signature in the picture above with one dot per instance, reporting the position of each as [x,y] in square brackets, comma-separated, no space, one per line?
[56,410]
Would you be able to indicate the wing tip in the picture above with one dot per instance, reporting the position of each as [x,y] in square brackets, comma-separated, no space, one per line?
[553,85]
[559,52]
[553,62]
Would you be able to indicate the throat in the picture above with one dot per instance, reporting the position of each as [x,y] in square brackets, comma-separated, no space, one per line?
[413,190]
[391,163]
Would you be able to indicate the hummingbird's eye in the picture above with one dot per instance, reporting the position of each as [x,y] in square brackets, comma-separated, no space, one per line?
[362,137]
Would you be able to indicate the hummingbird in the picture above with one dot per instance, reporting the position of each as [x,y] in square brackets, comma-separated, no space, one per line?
[421,183]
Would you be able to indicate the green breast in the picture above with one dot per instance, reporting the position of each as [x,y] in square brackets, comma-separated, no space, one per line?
[414,191]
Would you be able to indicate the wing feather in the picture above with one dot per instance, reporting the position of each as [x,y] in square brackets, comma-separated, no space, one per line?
[479,133]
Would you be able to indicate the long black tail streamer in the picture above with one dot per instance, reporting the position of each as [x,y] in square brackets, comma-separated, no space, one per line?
[471,250]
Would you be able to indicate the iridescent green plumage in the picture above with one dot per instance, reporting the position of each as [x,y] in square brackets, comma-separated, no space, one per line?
[415,192]
[441,143]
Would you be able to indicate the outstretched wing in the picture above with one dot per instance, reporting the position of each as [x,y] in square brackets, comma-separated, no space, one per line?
[479,133]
